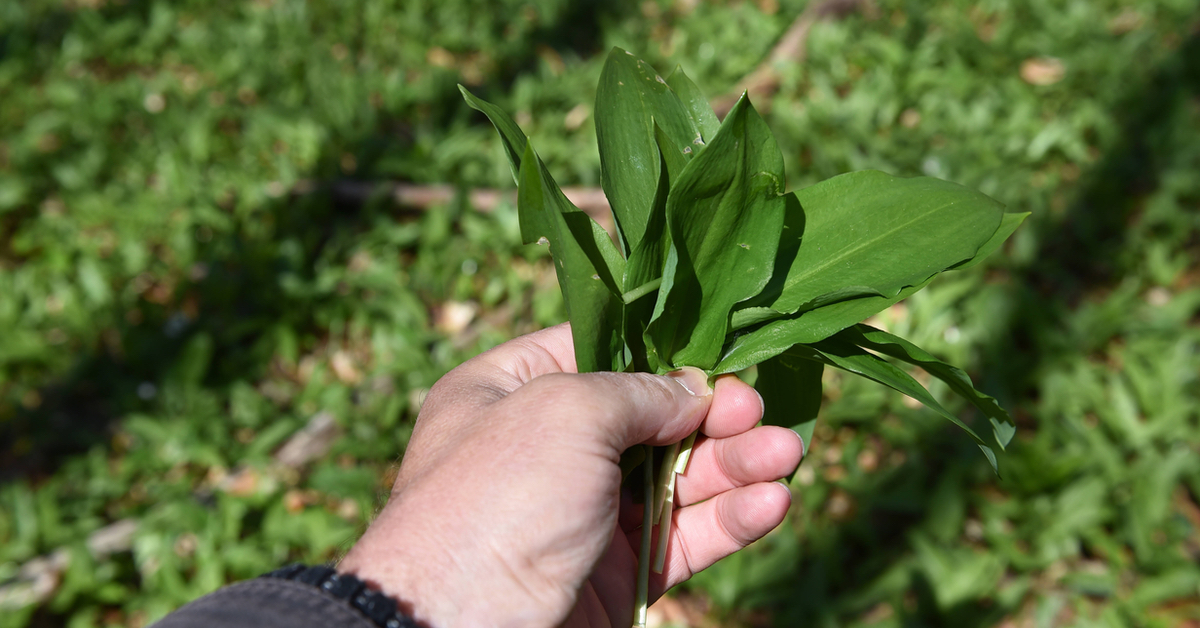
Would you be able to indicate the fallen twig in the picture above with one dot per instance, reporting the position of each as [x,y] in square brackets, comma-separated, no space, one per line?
[409,195]
[764,80]
[38,579]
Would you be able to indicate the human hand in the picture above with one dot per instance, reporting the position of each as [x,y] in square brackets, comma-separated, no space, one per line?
[507,510]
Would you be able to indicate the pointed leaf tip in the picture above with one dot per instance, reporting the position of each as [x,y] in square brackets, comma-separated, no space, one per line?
[1003,432]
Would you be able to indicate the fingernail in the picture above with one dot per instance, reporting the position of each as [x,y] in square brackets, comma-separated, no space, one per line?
[803,445]
[693,380]
[786,487]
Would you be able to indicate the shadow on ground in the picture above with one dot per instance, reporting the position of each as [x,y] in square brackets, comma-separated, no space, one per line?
[234,295]
[1082,252]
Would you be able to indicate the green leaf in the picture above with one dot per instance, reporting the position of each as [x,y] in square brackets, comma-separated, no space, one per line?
[536,219]
[880,341]
[594,240]
[752,346]
[533,225]
[630,99]
[724,213]
[644,268]
[511,135]
[790,386]
[702,114]
[674,158]
[848,357]
[883,232]
[749,316]
[646,261]
[592,307]
[755,310]
[1008,224]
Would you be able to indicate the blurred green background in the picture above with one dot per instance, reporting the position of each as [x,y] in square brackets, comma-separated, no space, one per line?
[200,256]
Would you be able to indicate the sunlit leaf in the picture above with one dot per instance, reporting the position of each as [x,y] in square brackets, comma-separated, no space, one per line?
[848,357]
[881,232]
[1008,225]
[593,309]
[880,341]
[537,220]
[698,109]
[751,346]
[630,99]
[724,213]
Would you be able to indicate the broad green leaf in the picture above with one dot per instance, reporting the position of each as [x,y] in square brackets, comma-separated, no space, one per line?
[849,357]
[646,261]
[674,158]
[756,310]
[724,213]
[886,233]
[593,309]
[1008,224]
[702,114]
[880,341]
[630,99]
[536,223]
[752,346]
[790,386]
[603,254]
[643,275]
[750,316]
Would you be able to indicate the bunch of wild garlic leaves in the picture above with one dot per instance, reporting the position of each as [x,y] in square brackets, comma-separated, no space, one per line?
[717,268]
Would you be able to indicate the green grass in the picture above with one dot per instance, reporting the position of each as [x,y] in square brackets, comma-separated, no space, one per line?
[182,287]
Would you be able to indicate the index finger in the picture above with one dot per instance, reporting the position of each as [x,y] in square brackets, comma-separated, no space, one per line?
[496,373]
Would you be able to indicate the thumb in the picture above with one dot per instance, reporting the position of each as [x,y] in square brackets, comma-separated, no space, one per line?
[620,409]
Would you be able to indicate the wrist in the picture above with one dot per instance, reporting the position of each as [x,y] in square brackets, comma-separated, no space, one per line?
[381,610]
[406,565]
[388,573]
[440,576]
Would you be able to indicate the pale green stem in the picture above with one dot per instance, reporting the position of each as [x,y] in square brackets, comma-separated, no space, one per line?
[641,291]
[685,453]
[674,463]
[665,476]
[642,597]
[664,524]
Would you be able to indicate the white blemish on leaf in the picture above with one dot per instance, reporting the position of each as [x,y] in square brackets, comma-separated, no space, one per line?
[744,245]
[687,150]
[543,240]
[776,185]
[659,79]
[596,277]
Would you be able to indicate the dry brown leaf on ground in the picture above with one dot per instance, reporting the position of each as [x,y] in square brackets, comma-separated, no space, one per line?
[1042,70]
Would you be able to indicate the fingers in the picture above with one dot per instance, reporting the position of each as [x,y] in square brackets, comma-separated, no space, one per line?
[736,407]
[497,373]
[763,454]
[550,350]
[618,409]
[494,374]
[707,532]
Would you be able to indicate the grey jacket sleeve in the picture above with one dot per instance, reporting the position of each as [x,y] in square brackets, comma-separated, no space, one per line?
[266,603]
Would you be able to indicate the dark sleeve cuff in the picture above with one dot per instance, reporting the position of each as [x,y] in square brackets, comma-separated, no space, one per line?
[266,603]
